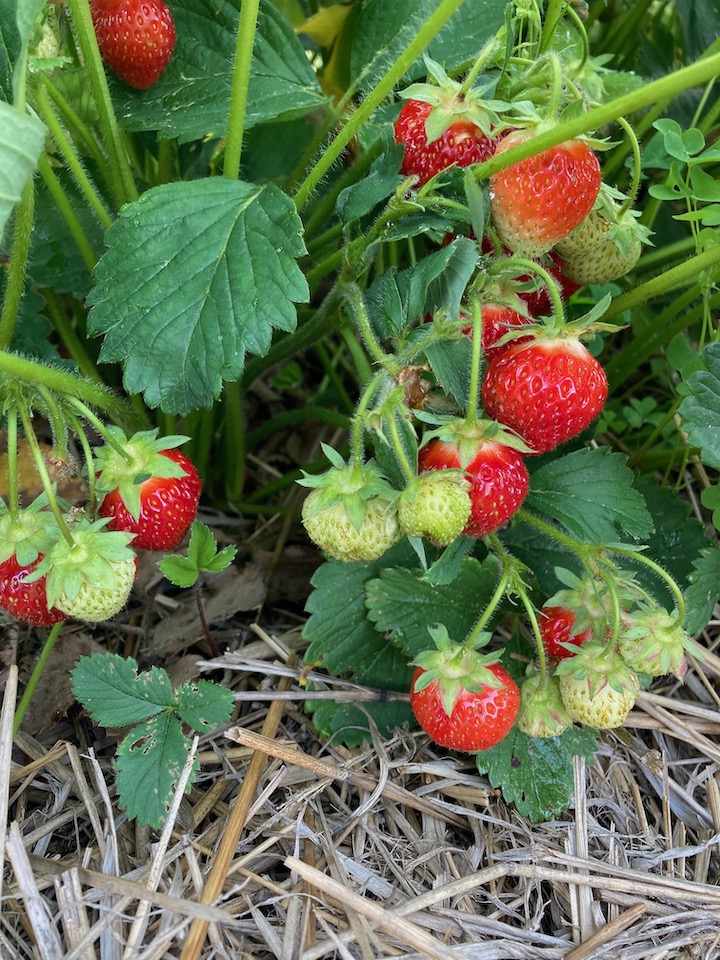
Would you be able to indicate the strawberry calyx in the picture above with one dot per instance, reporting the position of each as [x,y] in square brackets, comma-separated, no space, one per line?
[85,564]
[141,458]
[653,642]
[542,712]
[455,668]
[351,484]
[469,436]
[28,534]
[599,666]
[452,104]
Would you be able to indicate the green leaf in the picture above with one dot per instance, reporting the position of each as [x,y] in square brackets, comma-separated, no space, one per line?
[701,408]
[22,137]
[10,46]
[182,571]
[202,546]
[537,774]
[197,274]
[361,198]
[115,694]
[148,765]
[590,492]
[383,30]
[203,705]
[451,362]
[403,604]
[222,559]
[192,98]
[338,630]
[704,590]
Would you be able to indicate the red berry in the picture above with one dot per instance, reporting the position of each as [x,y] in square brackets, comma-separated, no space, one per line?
[461,144]
[136,38]
[479,719]
[540,200]
[548,391]
[498,478]
[556,625]
[26,601]
[497,320]
[168,506]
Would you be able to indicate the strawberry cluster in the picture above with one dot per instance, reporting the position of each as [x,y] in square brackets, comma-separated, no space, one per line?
[552,227]
[82,563]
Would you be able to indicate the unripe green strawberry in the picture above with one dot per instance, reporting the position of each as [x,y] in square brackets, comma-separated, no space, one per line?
[653,642]
[97,602]
[542,711]
[351,513]
[602,251]
[332,529]
[436,506]
[91,572]
[597,687]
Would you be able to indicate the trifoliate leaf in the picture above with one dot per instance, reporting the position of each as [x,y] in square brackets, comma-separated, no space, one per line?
[701,408]
[222,559]
[115,694]
[202,546]
[197,274]
[537,774]
[148,765]
[403,604]
[203,705]
[590,492]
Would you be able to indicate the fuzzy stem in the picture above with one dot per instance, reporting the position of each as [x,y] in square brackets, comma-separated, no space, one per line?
[76,123]
[506,575]
[353,298]
[551,284]
[15,282]
[539,645]
[71,159]
[11,426]
[67,212]
[120,174]
[96,422]
[571,14]
[358,421]
[663,574]
[43,474]
[77,428]
[398,448]
[475,363]
[637,165]
[35,676]
[668,86]
[485,54]
[245,41]
[437,19]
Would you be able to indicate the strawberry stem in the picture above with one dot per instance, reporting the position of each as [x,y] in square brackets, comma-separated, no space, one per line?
[43,474]
[37,672]
[15,277]
[352,297]
[245,41]
[662,573]
[637,166]
[557,87]
[553,289]
[358,421]
[399,449]
[67,212]
[508,570]
[482,58]
[572,14]
[79,432]
[519,591]
[96,422]
[12,453]
[476,362]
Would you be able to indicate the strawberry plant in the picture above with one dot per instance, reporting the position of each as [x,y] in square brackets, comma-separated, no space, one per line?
[476,241]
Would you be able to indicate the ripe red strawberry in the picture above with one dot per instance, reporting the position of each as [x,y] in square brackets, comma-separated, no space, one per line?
[460,144]
[497,319]
[26,601]
[464,700]
[556,628]
[136,38]
[498,476]
[548,390]
[153,494]
[538,201]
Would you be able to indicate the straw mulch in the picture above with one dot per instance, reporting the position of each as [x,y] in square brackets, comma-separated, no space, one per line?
[291,847]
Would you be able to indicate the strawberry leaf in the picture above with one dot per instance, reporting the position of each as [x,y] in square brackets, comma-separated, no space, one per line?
[148,765]
[590,492]
[537,774]
[192,97]
[402,604]
[197,274]
[21,139]
[203,705]
[701,407]
[115,694]
[704,590]
[182,571]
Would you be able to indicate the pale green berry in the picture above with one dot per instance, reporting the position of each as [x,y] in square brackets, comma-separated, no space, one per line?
[607,708]
[100,602]
[332,529]
[542,711]
[435,507]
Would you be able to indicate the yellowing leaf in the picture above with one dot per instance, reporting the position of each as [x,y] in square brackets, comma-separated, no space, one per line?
[324,26]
